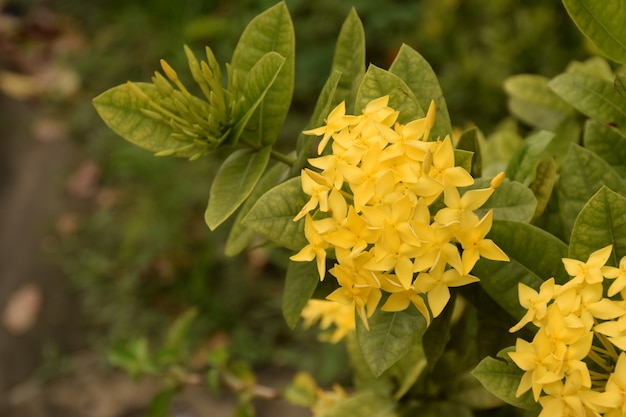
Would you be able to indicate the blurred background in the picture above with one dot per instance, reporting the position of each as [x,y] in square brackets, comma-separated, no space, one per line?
[102,244]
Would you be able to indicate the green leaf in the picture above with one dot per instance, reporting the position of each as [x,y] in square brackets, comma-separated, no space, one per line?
[466,389]
[323,107]
[595,66]
[377,83]
[583,173]
[271,31]
[255,110]
[120,108]
[511,201]
[272,215]
[603,23]
[417,73]
[532,102]
[234,182]
[535,257]
[543,185]
[523,165]
[349,60]
[389,338]
[300,283]
[240,236]
[601,222]
[607,142]
[469,142]
[363,404]
[362,376]
[174,345]
[501,377]
[160,404]
[437,334]
[463,159]
[595,98]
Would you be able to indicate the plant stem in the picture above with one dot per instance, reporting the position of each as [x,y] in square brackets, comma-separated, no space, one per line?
[278,156]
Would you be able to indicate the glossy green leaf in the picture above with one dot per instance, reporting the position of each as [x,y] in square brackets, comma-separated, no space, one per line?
[240,236]
[349,60]
[593,97]
[523,165]
[607,142]
[323,107]
[301,281]
[583,173]
[532,102]
[601,222]
[469,142]
[258,85]
[535,256]
[233,183]
[377,83]
[120,108]
[501,377]
[417,73]
[603,23]
[271,31]
[363,404]
[272,215]
[511,201]
[389,338]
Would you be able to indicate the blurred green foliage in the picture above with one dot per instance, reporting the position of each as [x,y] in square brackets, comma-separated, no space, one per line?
[145,255]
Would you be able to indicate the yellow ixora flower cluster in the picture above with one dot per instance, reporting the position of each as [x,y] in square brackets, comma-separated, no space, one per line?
[576,365]
[374,193]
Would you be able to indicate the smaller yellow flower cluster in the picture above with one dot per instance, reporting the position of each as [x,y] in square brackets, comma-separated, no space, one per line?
[374,193]
[576,365]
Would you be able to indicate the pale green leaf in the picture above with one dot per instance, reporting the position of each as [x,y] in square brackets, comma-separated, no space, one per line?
[501,377]
[543,185]
[593,97]
[301,280]
[535,256]
[596,67]
[271,31]
[272,215]
[603,23]
[377,83]
[233,183]
[120,108]
[349,60]
[523,165]
[417,73]
[601,222]
[240,236]
[583,173]
[389,337]
[531,101]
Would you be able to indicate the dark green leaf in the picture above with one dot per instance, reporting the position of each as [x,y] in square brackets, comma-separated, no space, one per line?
[607,142]
[463,159]
[469,142]
[377,83]
[543,185]
[300,283]
[438,333]
[349,60]
[583,173]
[501,377]
[417,73]
[272,215]
[535,257]
[511,201]
[601,222]
[160,404]
[389,338]
[233,183]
